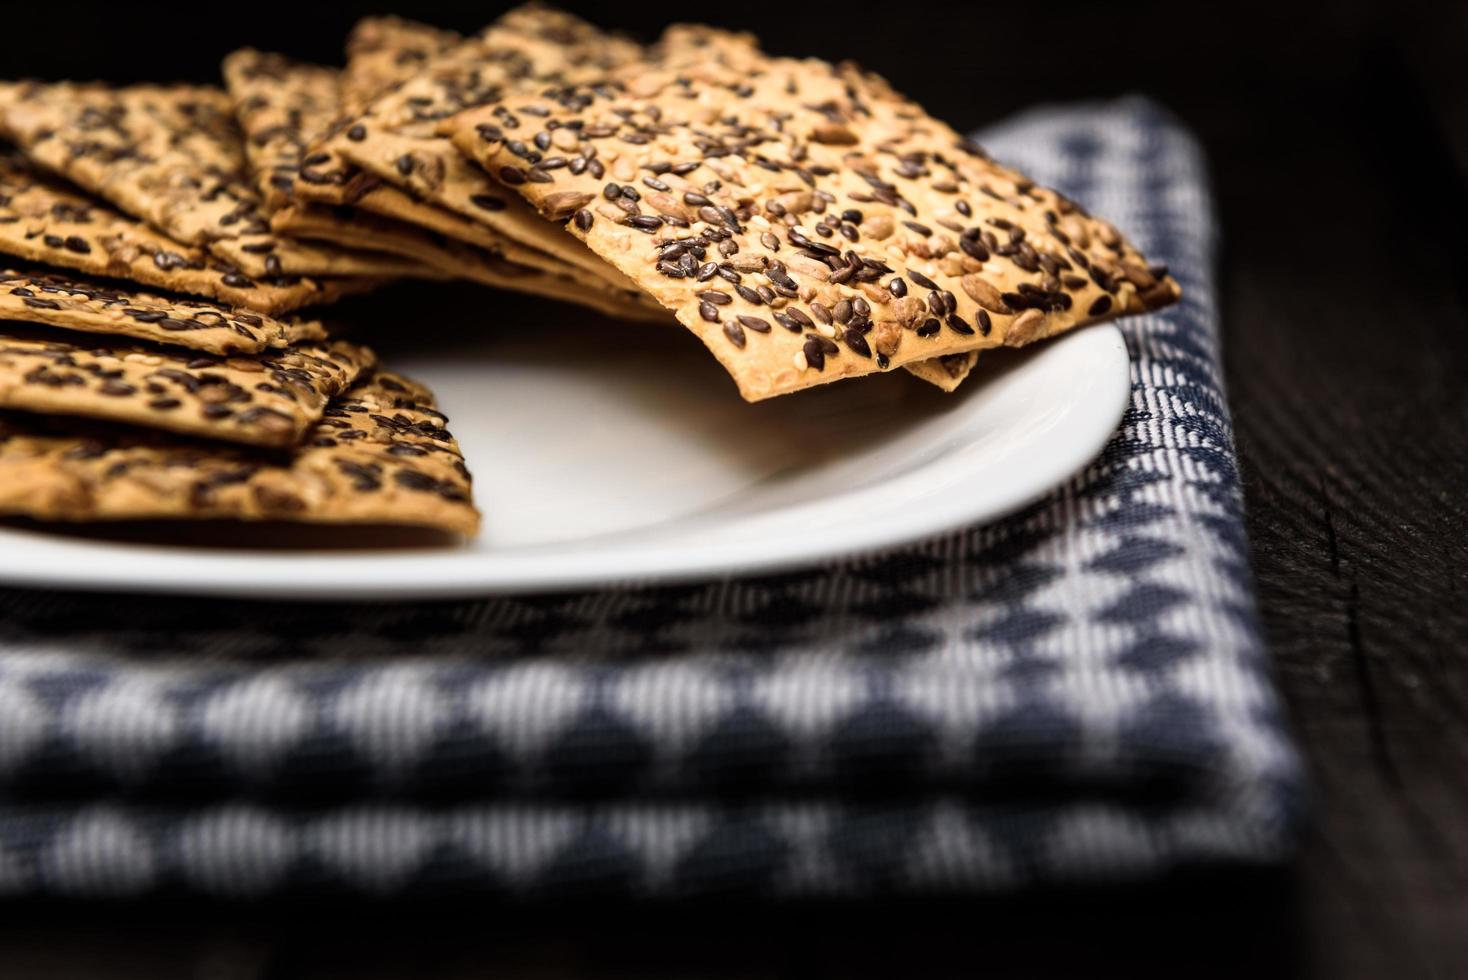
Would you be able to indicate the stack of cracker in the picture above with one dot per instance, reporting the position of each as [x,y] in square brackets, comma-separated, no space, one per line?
[802,219]
[142,376]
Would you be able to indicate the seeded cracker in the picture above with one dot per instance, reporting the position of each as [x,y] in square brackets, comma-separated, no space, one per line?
[380,456]
[806,222]
[147,149]
[370,195]
[315,259]
[458,78]
[65,301]
[290,257]
[383,51]
[280,104]
[172,156]
[389,202]
[454,84]
[394,139]
[541,246]
[347,227]
[266,400]
[43,220]
[947,372]
[167,154]
[283,105]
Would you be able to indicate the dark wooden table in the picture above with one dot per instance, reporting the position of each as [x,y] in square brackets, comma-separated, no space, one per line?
[1339,140]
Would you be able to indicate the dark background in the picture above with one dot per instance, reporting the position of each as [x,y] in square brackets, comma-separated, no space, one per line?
[1338,135]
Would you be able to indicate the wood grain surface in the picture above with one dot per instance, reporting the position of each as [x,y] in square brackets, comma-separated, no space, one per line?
[1338,136]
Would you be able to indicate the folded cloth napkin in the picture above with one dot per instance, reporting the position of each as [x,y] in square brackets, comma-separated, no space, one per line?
[1076,692]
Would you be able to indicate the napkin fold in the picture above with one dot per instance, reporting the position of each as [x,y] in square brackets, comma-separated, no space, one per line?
[1076,692]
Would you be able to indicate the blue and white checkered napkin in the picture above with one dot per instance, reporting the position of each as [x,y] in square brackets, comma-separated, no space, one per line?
[1076,692]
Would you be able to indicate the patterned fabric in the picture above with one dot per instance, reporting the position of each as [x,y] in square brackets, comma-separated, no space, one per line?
[1076,692]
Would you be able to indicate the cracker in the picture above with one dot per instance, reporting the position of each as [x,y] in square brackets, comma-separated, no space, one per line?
[525,47]
[172,156]
[383,51]
[270,399]
[348,227]
[380,456]
[278,255]
[394,138]
[93,307]
[806,222]
[692,43]
[466,189]
[537,244]
[552,250]
[168,154]
[43,220]
[946,372]
[396,205]
[281,106]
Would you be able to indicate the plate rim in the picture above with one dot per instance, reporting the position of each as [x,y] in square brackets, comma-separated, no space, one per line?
[350,580]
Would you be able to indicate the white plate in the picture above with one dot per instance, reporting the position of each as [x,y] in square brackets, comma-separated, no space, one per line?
[620,452]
